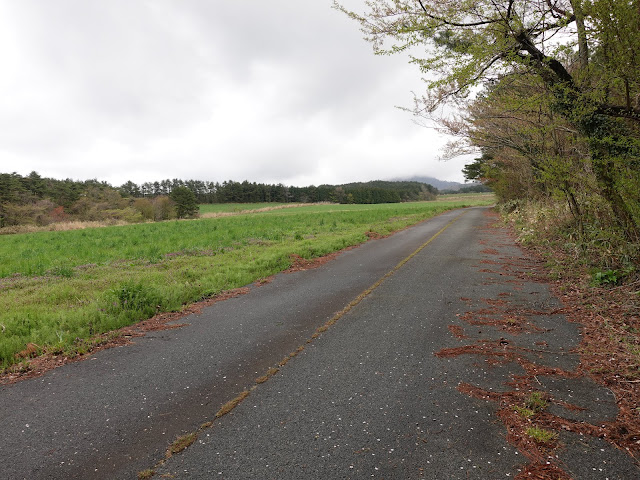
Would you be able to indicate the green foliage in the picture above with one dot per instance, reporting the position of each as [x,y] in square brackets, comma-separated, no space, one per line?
[377,191]
[474,170]
[541,435]
[536,402]
[134,296]
[524,412]
[185,201]
[606,277]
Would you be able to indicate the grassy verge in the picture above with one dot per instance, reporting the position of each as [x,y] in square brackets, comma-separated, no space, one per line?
[60,289]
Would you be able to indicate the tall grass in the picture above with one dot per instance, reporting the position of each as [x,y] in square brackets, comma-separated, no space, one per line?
[58,288]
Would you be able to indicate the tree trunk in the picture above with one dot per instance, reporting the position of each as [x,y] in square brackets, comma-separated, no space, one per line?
[583,46]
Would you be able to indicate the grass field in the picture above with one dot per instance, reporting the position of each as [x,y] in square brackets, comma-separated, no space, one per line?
[59,289]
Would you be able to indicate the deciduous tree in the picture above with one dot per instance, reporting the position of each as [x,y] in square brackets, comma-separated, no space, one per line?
[584,53]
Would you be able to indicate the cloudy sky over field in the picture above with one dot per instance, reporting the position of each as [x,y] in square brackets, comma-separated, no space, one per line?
[268,91]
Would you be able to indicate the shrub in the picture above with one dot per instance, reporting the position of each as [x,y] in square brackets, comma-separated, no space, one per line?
[145,207]
[163,208]
[607,277]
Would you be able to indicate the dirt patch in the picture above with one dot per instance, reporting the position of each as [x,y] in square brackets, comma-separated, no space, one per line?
[299,264]
[457,331]
[374,235]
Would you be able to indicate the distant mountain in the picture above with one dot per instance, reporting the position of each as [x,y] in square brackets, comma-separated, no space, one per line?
[439,184]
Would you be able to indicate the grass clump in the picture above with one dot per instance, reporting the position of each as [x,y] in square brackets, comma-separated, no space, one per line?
[231,404]
[180,443]
[540,435]
[533,404]
[145,474]
[536,402]
[524,412]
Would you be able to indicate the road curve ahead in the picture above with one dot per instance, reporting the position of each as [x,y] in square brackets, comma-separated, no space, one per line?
[440,321]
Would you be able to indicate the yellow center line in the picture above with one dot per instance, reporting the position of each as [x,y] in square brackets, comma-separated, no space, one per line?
[272,371]
[368,291]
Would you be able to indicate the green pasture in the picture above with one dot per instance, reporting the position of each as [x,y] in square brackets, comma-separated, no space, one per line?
[60,289]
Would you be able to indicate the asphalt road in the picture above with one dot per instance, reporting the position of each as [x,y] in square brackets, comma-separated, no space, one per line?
[372,396]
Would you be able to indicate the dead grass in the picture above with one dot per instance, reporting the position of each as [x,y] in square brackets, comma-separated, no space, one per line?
[145,474]
[61,227]
[270,373]
[293,354]
[259,210]
[231,404]
[78,225]
[457,331]
[180,443]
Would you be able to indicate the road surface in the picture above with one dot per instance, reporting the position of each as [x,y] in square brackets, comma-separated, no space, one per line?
[441,317]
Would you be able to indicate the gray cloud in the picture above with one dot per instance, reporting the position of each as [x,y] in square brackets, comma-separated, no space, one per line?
[280,91]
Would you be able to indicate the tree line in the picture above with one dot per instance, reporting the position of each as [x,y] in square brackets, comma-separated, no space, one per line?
[35,200]
[252,192]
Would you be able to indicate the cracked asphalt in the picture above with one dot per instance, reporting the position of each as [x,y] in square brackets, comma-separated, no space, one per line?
[372,396]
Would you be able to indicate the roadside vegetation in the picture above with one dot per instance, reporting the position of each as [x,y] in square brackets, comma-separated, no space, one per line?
[549,94]
[59,290]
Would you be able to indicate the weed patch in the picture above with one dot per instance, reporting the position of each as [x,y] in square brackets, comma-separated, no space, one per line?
[607,277]
[231,404]
[137,297]
[524,412]
[540,435]
[535,402]
[145,474]
[181,443]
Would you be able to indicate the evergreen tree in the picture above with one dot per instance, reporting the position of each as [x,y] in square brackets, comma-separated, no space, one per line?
[186,202]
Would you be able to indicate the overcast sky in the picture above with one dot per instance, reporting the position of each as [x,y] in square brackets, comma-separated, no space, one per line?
[267,91]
